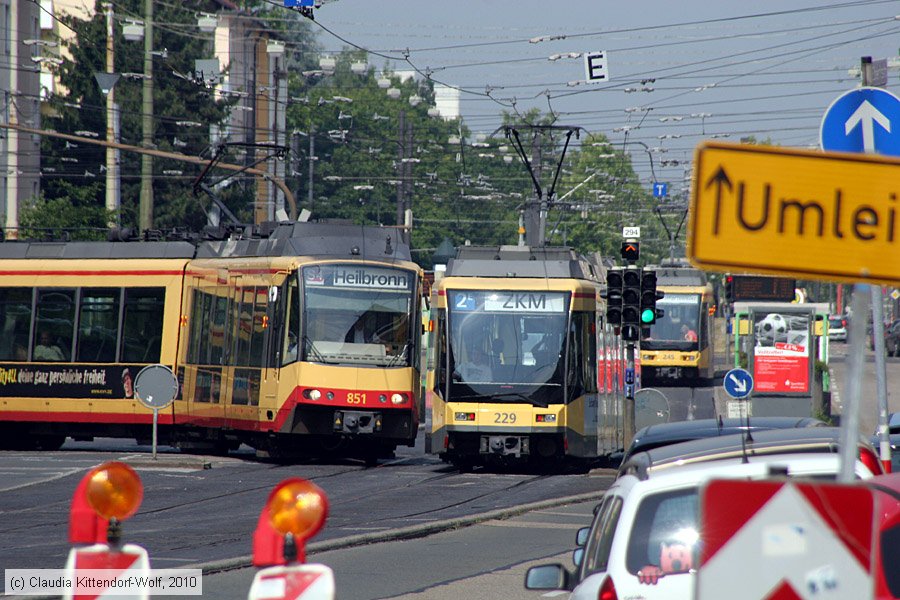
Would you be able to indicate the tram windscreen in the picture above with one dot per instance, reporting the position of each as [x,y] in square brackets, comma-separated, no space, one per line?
[357,314]
[507,344]
[679,328]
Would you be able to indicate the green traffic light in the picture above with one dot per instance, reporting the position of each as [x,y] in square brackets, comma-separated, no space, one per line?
[647,315]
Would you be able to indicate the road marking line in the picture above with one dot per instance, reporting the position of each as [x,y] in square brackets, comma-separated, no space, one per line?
[529,524]
[47,480]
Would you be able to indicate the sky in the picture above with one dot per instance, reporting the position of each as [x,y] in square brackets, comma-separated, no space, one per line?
[679,71]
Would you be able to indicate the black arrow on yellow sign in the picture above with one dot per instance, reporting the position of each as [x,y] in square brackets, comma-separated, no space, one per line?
[720,180]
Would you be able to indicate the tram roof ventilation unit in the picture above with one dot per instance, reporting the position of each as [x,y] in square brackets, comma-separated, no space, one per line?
[87,250]
[521,261]
[680,276]
[329,240]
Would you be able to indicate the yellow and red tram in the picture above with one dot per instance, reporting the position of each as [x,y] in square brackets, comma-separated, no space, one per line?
[518,335]
[302,341]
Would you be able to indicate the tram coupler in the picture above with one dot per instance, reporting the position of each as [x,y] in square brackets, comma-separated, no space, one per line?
[352,421]
[505,445]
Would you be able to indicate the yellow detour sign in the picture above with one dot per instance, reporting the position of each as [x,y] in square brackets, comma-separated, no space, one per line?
[795,212]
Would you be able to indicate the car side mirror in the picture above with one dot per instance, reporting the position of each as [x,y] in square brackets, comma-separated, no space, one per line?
[581,537]
[547,577]
[577,556]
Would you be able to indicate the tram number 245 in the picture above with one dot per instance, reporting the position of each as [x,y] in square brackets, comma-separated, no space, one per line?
[502,417]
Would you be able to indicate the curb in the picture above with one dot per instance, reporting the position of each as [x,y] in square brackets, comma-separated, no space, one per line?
[403,533]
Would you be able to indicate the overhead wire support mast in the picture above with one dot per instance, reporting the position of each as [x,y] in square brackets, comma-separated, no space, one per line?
[536,210]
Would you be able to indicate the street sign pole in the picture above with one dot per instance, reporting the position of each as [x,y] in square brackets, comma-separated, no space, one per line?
[850,413]
[155,424]
[868,78]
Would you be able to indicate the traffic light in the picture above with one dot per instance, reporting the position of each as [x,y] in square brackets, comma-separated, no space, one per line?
[631,251]
[649,296]
[729,289]
[631,296]
[614,297]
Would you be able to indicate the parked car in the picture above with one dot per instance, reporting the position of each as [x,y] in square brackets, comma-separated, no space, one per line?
[643,541]
[665,434]
[894,438]
[837,328]
[773,441]
[887,560]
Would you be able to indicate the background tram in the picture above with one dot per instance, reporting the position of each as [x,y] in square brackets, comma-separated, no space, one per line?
[515,354]
[300,341]
[679,349]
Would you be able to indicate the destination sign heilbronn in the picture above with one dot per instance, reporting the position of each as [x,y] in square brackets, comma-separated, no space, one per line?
[795,212]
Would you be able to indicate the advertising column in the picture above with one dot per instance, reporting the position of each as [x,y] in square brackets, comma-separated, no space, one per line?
[781,360]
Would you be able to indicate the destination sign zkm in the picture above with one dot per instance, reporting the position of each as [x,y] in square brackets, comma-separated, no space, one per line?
[795,212]
[509,301]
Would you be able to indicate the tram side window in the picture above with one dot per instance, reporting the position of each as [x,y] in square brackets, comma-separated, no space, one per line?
[245,325]
[143,323]
[15,315]
[217,328]
[98,324]
[260,324]
[200,329]
[55,325]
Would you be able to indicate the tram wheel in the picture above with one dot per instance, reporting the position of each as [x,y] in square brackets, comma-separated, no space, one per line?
[464,465]
[48,442]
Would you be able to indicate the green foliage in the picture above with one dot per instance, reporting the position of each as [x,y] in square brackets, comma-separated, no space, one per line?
[80,211]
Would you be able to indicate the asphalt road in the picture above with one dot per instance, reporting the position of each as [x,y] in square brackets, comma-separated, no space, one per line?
[192,514]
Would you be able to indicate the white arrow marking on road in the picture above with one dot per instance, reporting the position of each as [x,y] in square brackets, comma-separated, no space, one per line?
[739,384]
[866,115]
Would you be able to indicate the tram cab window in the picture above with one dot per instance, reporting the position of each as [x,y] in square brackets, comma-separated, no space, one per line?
[15,318]
[292,330]
[55,325]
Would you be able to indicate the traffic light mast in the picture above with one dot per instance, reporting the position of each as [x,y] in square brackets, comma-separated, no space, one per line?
[631,326]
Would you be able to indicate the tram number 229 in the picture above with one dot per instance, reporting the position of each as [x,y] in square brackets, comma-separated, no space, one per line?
[502,417]
[356,398]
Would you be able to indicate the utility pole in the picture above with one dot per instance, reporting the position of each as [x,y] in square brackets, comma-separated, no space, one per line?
[12,147]
[146,200]
[534,210]
[112,154]
[401,154]
[312,158]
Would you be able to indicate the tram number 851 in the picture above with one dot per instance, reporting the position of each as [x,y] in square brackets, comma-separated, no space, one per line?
[502,417]
[356,398]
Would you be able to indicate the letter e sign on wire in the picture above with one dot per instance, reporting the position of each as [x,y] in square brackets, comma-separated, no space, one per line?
[595,69]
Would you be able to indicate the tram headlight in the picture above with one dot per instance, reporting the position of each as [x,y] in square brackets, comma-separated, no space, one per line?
[298,507]
[330,395]
[312,394]
[382,398]
[398,399]
[114,490]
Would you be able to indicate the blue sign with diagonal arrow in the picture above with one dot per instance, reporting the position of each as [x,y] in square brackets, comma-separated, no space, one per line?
[862,120]
[738,383]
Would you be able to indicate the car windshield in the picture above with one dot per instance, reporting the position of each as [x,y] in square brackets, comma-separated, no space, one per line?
[835,323]
[664,533]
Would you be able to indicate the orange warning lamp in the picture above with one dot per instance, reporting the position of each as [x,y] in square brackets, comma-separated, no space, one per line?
[114,490]
[298,507]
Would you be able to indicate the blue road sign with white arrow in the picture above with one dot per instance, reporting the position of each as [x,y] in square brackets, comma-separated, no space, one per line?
[738,383]
[862,120]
